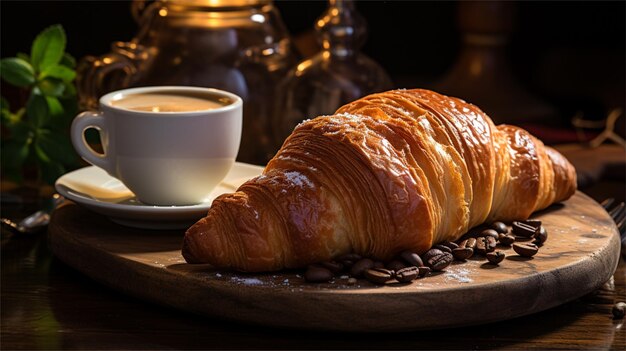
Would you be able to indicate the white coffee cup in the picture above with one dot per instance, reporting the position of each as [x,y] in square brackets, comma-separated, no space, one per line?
[164,158]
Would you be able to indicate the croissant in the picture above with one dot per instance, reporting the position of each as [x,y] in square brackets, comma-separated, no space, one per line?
[398,170]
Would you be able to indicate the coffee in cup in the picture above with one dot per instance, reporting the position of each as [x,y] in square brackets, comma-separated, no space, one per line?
[171,101]
[168,145]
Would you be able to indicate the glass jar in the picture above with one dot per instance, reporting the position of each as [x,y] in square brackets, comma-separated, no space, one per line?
[340,73]
[241,46]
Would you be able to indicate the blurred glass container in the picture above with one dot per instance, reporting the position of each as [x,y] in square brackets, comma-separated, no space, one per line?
[482,73]
[241,46]
[338,74]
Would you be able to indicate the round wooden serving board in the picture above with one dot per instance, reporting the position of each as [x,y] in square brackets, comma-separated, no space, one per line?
[581,253]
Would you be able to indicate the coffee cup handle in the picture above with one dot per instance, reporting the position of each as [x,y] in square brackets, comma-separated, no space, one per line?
[81,123]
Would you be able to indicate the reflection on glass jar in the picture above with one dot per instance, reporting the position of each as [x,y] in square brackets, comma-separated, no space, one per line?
[338,74]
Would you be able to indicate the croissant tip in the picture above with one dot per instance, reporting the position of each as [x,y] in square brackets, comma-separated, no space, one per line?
[187,252]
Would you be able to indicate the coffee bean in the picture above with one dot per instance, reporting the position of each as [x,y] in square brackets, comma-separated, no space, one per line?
[485,244]
[361,266]
[491,243]
[480,247]
[462,253]
[395,265]
[470,243]
[506,239]
[378,275]
[317,274]
[407,274]
[412,258]
[431,253]
[523,229]
[541,236]
[499,227]
[348,260]
[443,248]
[332,266]
[489,232]
[347,264]
[378,264]
[525,249]
[495,257]
[440,262]
[423,270]
[533,222]
[450,244]
[619,310]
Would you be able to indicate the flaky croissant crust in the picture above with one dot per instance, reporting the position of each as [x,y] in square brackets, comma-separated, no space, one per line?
[398,170]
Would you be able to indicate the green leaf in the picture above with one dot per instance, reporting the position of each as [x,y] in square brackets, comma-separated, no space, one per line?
[37,110]
[4,103]
[15,152]
[23,56]
[51,87]
[19,114]
[57,71]
[48,47]
[56,147]
[5,116]
[70,92]
[10,118]
[54,106]
[49,169]
[41,155]
[22,132]
[17,72]
[68,60]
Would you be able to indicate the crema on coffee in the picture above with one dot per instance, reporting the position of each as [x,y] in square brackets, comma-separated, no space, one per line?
[171,101]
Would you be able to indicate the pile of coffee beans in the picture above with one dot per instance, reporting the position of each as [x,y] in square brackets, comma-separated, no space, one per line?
[525,237]
[405,268]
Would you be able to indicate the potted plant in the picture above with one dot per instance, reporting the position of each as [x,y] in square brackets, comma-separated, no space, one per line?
[35,142]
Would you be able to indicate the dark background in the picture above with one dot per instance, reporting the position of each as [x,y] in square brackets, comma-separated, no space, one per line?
[570,54]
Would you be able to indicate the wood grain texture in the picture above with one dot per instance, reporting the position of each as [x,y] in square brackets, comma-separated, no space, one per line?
[580,255]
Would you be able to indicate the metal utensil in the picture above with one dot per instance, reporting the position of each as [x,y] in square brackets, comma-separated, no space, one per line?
[35,222]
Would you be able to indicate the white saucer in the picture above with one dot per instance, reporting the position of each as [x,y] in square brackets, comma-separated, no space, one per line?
[98,191]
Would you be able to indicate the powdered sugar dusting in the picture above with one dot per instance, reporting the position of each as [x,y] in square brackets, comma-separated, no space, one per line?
[461,275]
[301,123]
[246,281]
[298,179]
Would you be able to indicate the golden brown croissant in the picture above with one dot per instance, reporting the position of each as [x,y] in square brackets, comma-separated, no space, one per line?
[403,169]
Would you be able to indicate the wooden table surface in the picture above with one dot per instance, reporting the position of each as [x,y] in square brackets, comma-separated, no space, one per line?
[48,305]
